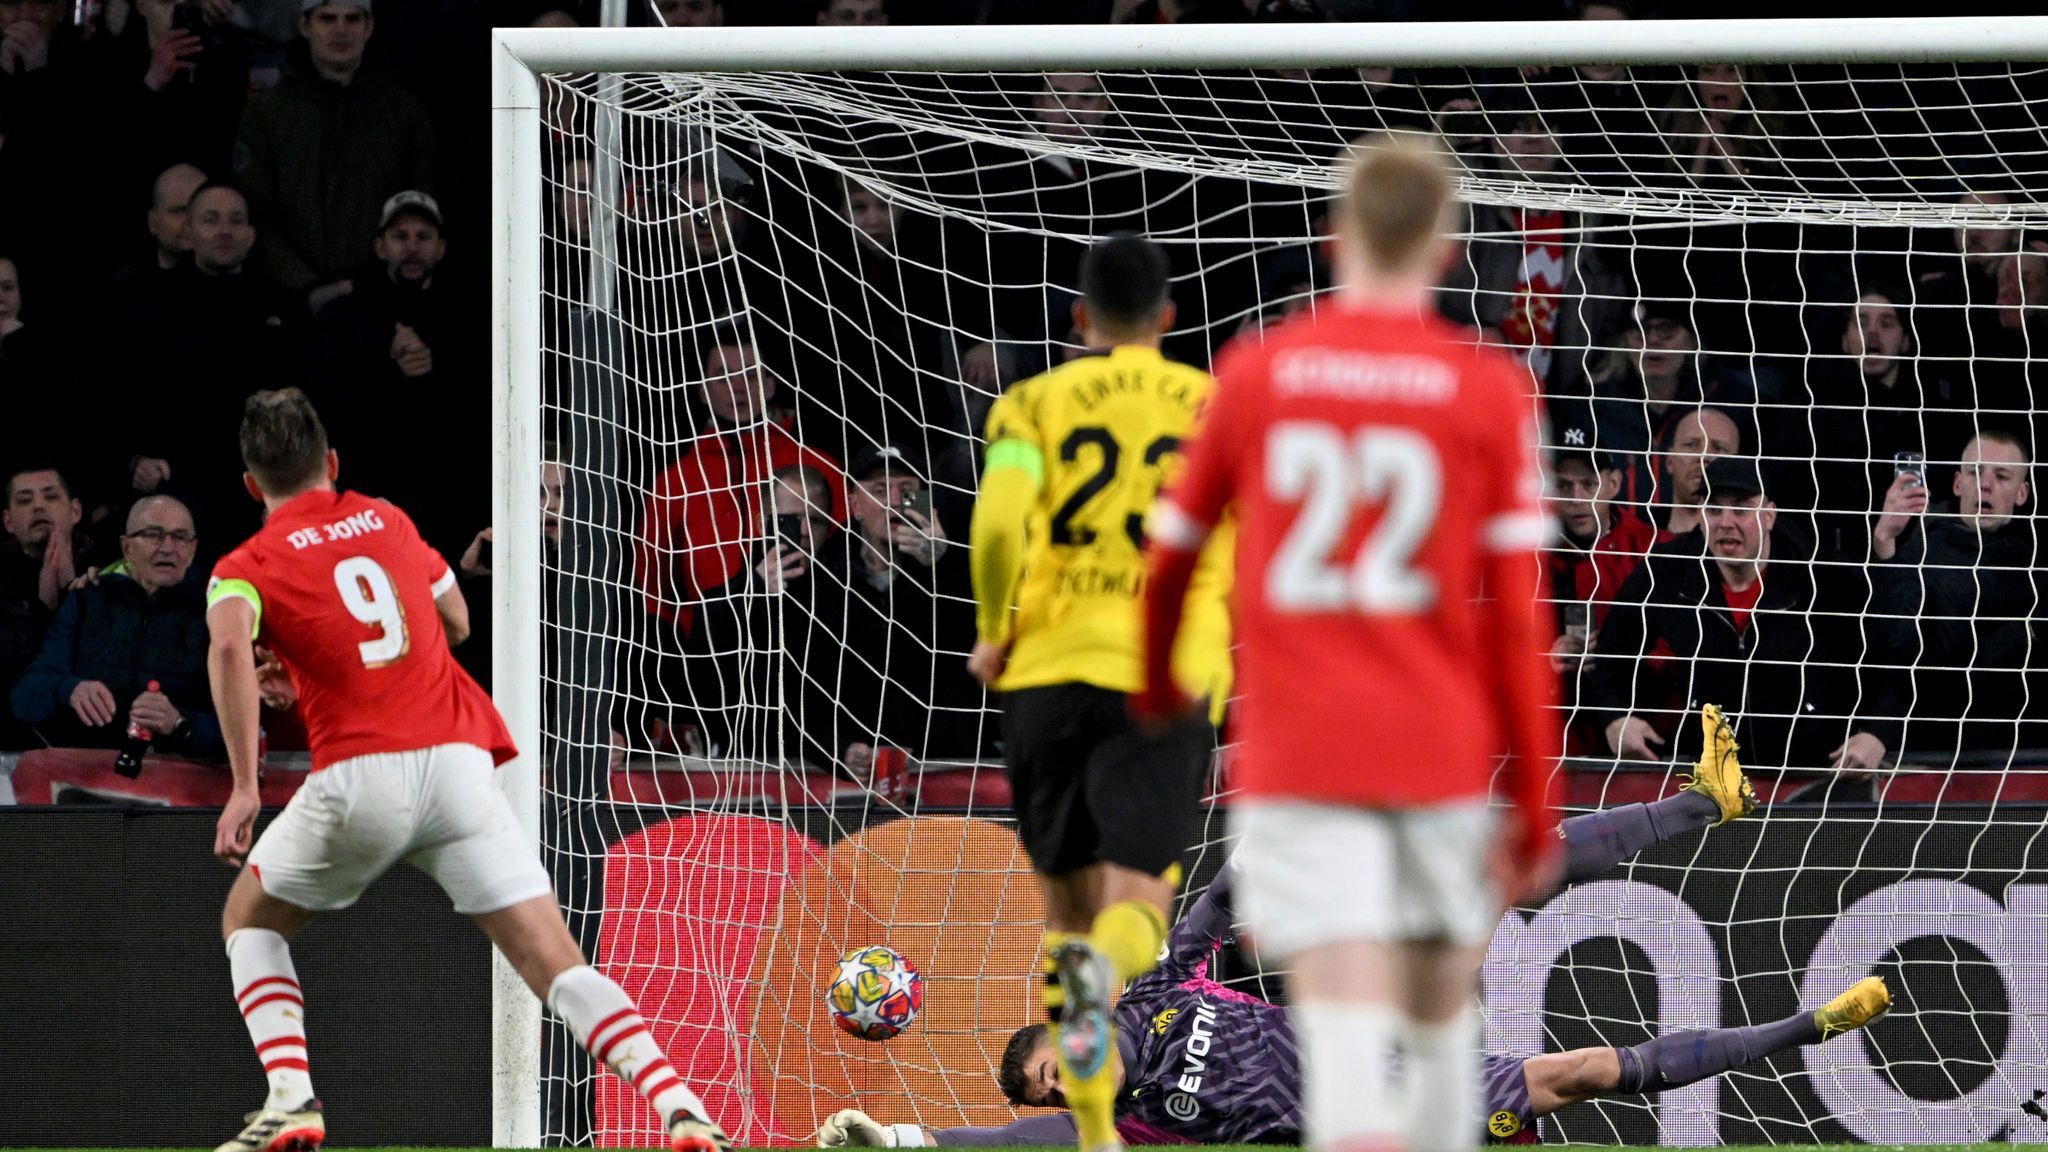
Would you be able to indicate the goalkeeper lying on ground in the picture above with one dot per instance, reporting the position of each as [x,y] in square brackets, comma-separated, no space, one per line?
[1209,1065]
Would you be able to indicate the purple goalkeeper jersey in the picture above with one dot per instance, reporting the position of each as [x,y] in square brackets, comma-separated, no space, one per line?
[1205,1064]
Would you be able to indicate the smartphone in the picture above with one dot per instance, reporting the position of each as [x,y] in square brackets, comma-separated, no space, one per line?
[1575,619]
[1912,466]
[789,528]
[918,500]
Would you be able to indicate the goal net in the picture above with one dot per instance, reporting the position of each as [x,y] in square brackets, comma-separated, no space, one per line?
[775,306]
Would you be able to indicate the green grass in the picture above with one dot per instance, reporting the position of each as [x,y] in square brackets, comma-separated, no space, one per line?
[1233,1148]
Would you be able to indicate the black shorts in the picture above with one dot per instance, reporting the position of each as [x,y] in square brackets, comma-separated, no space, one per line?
[1091,787]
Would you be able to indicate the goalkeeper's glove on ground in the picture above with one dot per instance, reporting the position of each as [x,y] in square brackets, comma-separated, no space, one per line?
[853,1128]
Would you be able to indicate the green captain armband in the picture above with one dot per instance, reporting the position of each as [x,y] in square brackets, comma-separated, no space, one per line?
[1021,454]
[218,590]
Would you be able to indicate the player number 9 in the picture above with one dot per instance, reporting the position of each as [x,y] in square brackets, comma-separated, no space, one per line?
[367,591]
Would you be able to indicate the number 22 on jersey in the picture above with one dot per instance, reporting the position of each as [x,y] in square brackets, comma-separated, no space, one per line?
[367,592]
[1330,473]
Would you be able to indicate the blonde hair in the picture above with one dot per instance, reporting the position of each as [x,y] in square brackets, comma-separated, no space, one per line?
[1397,197]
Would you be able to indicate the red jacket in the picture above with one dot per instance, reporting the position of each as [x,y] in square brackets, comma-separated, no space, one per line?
[702,523]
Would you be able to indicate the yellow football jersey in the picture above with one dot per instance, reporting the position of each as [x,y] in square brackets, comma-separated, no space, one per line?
[1109,430]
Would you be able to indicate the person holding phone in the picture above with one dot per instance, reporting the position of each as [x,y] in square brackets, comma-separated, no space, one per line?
[892,506]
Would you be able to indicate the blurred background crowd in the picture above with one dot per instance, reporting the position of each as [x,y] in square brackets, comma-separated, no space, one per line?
[1791,459]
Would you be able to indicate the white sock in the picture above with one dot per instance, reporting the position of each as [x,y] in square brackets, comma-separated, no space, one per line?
[267,991]
[604,1020]
[1347,1096]
[1441,1092]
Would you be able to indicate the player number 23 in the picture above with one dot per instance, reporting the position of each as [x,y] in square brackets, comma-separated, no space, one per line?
[367,591]
[1331,473]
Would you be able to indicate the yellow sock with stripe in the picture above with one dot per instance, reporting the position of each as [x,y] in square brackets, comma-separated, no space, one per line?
[1055,996]
[1128,934]
[1092,1100]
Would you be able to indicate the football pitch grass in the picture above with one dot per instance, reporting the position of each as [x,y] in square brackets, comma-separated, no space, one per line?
[1217,1148]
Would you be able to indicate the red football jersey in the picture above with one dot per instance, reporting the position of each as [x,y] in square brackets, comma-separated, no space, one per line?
[1377,464]
[344,592]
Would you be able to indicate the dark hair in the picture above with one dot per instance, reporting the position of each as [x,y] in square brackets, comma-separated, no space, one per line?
[1124,280]
[284,444]
[1013,1077]
[24,468]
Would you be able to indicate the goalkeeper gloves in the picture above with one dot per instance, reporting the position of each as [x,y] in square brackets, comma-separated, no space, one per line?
[852,1128]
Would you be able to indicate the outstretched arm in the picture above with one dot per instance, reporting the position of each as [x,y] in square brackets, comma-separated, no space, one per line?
[1034,1131]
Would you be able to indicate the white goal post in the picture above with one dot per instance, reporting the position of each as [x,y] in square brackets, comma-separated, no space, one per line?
[523,57]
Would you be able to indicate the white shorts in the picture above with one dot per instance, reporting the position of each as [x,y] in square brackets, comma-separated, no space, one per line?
[1313,874]
[437,808]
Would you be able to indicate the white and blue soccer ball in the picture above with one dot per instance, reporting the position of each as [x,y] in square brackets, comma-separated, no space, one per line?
[876,992]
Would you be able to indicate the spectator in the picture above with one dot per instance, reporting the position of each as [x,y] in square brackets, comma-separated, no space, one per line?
[195,344]
[852,14]
[911,617]
[185,73]
[704,511]
[1583,484]
[322,152]
[1531,273]
[395,345]
[1958,278]
[1740,632]
[886,381]
[44,552]
[61,142]
[1878,399]
[1725,131]
[168,219]
[1959,587]
[1693,441]
[1658,373]
[141,621]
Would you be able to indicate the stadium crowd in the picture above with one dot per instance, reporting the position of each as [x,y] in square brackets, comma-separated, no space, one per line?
[1791,461]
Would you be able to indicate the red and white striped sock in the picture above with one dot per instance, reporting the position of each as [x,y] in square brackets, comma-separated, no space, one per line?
[603,1018]
[267,992]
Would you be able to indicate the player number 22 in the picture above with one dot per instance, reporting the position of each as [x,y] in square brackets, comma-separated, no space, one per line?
[367,591]
[1330,474]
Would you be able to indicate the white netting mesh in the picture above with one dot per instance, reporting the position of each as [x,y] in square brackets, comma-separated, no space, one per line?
[758,283]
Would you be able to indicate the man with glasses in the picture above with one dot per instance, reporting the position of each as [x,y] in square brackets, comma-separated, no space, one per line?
[129,646]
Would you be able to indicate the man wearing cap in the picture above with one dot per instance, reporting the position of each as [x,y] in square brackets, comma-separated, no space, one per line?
[912,612]
[1581,498]
[1711,618]
[390,381]
[323,151]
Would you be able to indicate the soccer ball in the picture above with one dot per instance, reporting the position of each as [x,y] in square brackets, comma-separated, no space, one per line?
[875,993]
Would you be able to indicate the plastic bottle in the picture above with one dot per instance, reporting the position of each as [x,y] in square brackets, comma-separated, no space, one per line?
[129,762]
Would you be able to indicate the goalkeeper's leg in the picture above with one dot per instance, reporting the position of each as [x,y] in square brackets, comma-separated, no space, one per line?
[1715,793]
[1677,1059]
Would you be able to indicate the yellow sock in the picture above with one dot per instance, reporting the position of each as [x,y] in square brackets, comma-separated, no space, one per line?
[1128,934]
[1093,1100]
[1055,996]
